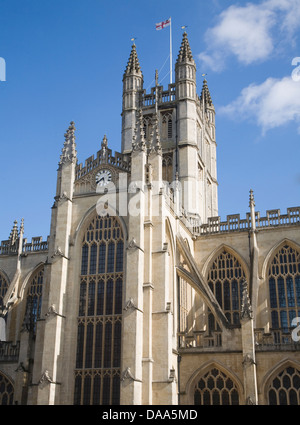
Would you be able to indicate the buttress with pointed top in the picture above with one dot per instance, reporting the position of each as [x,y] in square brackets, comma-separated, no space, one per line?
[133,65]
[205,96]
[185,53]
[69,153]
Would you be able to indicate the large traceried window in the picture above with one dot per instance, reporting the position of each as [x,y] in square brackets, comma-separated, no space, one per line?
[215,388]
[284,389]
[98,358]
[284,287]
[3,289]
[225,278]
[34,299]
[6,391]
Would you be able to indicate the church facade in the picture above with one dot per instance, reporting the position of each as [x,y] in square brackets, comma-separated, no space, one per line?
[141,294]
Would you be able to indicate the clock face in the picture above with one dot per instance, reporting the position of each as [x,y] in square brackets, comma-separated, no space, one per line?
[103,177]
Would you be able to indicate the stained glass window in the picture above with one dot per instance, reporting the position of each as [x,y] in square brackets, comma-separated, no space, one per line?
[225,278]
[6,391]
[216,388]
[98,356]
[34,299]
[284,287]
[284,389]
[3,288]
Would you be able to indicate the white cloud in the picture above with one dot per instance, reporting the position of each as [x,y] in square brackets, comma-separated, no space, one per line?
[250,32]
[271,104]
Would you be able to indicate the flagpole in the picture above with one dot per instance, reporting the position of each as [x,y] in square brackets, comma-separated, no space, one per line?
[171,79]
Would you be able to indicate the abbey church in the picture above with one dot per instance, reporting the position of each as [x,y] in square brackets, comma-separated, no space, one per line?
[141,295]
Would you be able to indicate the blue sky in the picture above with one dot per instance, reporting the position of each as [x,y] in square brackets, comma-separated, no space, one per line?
[65,61]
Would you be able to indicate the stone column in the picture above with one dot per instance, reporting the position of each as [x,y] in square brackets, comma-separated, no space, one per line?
[248,346]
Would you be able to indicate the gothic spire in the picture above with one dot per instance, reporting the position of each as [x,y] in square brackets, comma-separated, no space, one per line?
[138,142]
[185,53]
[14,233]
[133,65]
[69,153]
[154,143]
[205,95]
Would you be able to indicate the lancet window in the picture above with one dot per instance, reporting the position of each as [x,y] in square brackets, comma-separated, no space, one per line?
[98,358]
[167,167]
[285,388]
[6,391]
[34,299]
[216,388]
[167,125]
[3,288]
[284,287]
[225,278]
[147,123]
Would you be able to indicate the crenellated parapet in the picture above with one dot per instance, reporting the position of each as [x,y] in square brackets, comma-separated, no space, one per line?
[104,156]
[37,244]
[234,223]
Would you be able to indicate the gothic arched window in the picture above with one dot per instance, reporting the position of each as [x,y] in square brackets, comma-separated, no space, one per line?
[6,391]
[215,388]
[3,288]
[225,278]
[34,299]
[98,357]
[167,125]
[167,167]
[284,287]
[147,126]
[284,389]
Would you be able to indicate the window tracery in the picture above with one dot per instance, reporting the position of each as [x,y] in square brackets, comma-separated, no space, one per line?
[167,125]
[34,299]
[147,126]
[98,357]
[284,389]
[167,167]
[225,278]
[6,391]
[215,388]
[284,287]
[3,289]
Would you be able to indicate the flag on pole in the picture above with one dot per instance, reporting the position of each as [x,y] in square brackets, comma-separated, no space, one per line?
[163,24]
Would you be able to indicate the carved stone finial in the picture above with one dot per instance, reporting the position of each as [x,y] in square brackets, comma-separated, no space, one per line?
[104,141]
[251,199]
[14,233]
[69,153]
[246,309]
[138,143]
[155,145]
[22,227]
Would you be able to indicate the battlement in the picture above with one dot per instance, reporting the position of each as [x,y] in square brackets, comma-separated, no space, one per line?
[163,96]
[36,245]
[104,156]
[234,223]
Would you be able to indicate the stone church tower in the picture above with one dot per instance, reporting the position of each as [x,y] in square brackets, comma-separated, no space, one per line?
[141,294]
